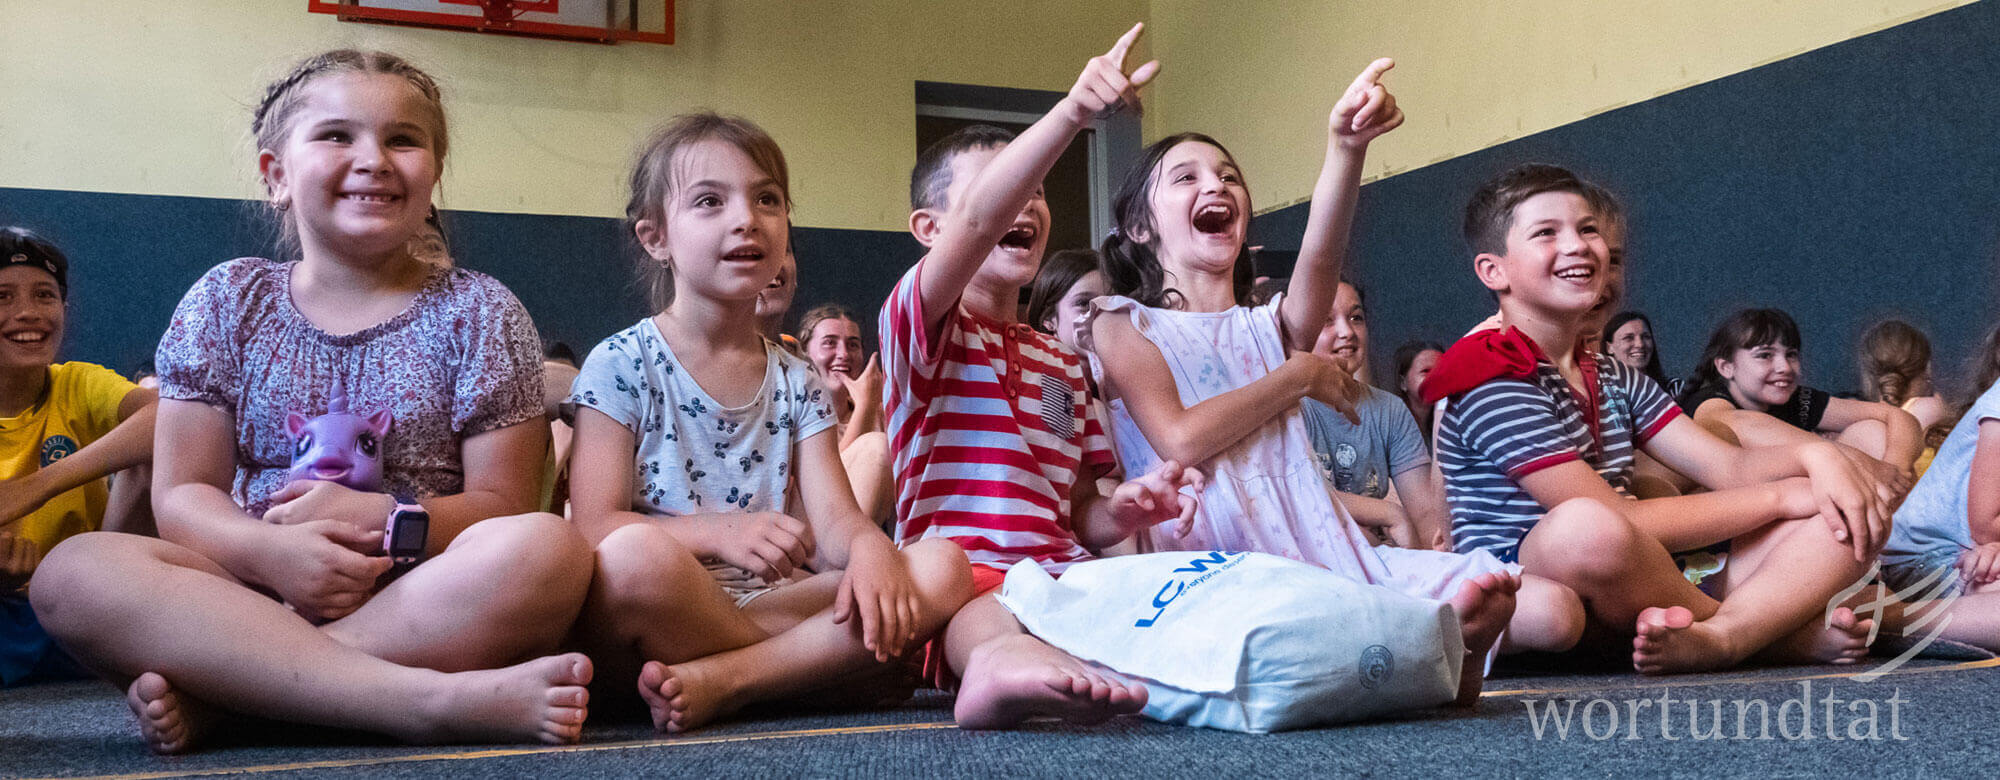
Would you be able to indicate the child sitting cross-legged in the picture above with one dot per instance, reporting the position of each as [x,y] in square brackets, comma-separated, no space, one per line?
[1537,450]
[714,587]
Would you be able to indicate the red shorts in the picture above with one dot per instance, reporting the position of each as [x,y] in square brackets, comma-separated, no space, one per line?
[935,671]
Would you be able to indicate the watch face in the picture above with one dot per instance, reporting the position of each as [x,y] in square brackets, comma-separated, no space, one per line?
[408,534]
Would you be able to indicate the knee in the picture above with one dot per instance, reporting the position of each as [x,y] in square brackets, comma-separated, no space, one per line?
[70,576]
[643,564]
[942,573]
[1555,612]
[1584,540]
[1869,436]
[537,547]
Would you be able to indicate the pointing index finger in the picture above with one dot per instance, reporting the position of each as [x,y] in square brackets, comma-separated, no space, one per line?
[1124,45]
[1373,73]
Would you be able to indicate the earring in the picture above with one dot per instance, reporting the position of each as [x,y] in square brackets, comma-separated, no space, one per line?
[281,204]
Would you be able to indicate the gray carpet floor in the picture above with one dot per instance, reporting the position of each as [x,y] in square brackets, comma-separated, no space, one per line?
[1930,718]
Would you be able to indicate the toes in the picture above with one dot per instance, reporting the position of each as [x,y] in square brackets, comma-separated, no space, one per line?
[580,670]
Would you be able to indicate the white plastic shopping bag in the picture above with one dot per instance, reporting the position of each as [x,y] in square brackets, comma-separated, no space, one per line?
[1245,641]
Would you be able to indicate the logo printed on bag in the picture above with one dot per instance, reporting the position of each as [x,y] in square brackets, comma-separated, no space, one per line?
[1175,587]
[1377,666]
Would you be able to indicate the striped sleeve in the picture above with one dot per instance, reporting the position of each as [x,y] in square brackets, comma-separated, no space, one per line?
[1513,424]
[1652,408]
[908,352]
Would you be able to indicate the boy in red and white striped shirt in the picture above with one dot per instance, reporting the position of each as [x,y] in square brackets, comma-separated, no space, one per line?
[994,448]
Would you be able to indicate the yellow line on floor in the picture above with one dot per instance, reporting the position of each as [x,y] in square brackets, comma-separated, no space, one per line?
[533,751]
[1668,682]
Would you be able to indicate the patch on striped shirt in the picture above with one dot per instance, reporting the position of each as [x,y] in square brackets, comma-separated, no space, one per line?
[1058,406]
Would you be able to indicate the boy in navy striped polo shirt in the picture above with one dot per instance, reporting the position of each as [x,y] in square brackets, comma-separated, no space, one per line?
[1537,449]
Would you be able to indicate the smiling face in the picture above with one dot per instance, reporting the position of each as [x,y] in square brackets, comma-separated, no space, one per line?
[357,168]
[1088,287]
[1200,210]
[723,231]
[31,318]
[1554,262]
[834,346]
[1011,264]
[1632,344]
[1762,376]
[1345,335]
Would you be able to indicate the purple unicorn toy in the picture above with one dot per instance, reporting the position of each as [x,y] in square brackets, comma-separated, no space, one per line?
[339,446]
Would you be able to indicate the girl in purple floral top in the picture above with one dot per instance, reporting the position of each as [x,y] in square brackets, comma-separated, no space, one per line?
[350,148]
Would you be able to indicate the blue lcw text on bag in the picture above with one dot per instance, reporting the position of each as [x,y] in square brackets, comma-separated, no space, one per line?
[1245,641]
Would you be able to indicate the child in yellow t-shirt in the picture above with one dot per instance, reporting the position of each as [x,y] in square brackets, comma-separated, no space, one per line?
[63,427]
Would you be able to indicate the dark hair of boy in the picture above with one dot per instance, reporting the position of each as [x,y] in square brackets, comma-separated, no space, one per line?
[1746,329]
[1058,274]
[1130,267]
[1491,210]
[930,180]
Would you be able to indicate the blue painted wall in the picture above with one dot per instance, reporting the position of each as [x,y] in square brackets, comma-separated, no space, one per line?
[1843,185]
[132,257]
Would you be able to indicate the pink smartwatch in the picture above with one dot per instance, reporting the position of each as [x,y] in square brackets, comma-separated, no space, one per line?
[408,535]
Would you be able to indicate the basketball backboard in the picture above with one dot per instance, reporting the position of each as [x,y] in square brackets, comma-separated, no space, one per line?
[602,21]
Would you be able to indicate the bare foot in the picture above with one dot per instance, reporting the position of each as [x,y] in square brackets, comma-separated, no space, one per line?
[1844,640]
[1015,677]
[1669,641]
[684,696]
[544,700]
[169,722]
[1484,605]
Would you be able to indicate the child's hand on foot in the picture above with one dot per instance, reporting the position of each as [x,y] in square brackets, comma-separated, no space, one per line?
[1366,110]
[1104,86]
[878,589]
[1168,492]
[319,569]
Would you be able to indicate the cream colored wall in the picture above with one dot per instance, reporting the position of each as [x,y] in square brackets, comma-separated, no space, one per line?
[144,96]
[1470,74]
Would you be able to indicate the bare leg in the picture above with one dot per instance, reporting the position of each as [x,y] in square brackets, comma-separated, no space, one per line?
[652,600]
[506,590]
[1780,577]
[687,695]
[1010,676]
[190,626]
[1620,572]
[1775,593]
[1548,618]
[129,507]
[1871,437]
[1974,618]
